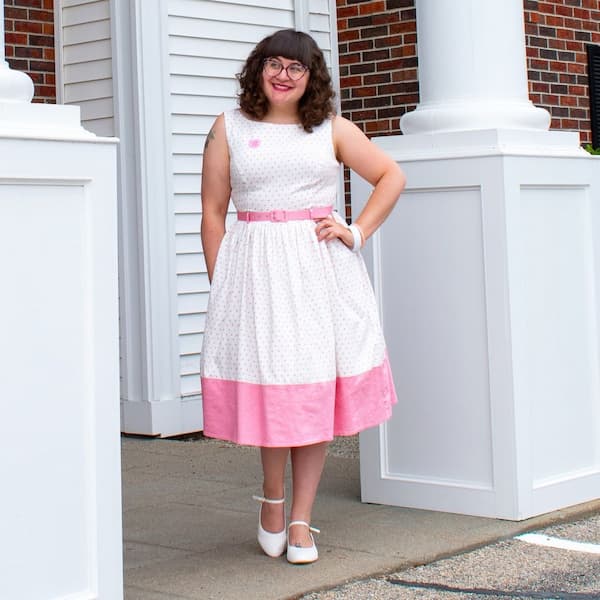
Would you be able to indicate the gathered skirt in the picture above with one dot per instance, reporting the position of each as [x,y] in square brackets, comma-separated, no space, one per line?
[293,350]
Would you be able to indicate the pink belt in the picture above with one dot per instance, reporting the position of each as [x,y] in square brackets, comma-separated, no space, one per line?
[281,216]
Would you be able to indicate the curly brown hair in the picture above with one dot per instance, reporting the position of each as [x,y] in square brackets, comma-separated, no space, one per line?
[316,104]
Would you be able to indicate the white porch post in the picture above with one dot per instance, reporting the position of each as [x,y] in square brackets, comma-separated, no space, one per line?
[487,275]
[472,69]
[151,391]
[59,391]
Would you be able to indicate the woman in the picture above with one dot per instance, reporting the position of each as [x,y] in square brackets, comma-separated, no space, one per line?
[293,351]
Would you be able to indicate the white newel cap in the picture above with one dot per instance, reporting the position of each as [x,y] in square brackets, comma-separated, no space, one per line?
[472,69]
[15,86]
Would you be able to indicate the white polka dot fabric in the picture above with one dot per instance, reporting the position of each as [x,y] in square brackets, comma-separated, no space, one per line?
[286,309]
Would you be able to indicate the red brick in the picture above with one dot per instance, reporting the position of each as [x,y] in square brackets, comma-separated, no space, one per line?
[568,124]
[347,11]
[576,68]
[18,64]
[540,65]
[349,34]
[540,86]
[349,82]
[545,7]
[531,17]
[378,78]
[15,13]
[404,27]
[363,92]
[371,7]
[550,99]
[45,90]
[573,23]
[360,45]
[363,115]
[565,34]
[389,41]
[28,52]
[575,46]
[17,39]
[37,78]
[41,40]
[41,15]
[568,101]
[28,27]
[28,3]
[566,11]
[581,13]
[346,59]
[558,44]
[405,75]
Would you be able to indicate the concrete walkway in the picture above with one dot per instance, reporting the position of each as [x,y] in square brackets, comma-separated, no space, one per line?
[190,524]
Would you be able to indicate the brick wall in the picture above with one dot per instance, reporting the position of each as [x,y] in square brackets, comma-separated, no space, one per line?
[557,33]
[29,37]
[378,61]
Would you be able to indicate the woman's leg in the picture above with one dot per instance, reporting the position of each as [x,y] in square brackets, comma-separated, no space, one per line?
[274,461]
[307,466]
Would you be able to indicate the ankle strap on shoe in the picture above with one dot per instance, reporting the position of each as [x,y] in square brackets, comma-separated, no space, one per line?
[269,500]
[305,524]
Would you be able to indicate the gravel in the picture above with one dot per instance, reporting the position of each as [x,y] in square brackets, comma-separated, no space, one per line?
[512,568]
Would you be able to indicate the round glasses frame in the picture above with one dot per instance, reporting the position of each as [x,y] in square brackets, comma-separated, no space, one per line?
[295,71]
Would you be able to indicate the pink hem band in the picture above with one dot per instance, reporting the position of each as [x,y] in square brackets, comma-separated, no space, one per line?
[282,216]
[296,415]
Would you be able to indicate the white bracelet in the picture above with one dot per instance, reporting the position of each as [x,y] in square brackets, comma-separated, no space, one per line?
[357,236]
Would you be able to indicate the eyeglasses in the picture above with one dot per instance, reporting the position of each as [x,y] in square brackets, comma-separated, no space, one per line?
[272,67]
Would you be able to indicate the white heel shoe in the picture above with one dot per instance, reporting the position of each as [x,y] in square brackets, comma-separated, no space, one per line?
[273,544]
[300,555]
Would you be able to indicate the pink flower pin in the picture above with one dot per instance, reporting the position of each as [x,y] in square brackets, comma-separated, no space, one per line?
[254,143]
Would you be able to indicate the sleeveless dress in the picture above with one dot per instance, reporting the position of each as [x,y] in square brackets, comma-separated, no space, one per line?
[293,350]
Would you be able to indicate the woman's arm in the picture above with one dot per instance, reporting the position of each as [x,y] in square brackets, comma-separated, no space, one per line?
[355,150]
[216,190]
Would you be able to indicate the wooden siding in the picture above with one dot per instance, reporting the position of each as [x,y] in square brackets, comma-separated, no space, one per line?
[87,62]
[208,42]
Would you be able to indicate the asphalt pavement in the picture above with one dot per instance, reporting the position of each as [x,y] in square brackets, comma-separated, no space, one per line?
[560,562]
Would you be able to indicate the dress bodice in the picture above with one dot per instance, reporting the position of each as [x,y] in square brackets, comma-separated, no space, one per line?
[280,166]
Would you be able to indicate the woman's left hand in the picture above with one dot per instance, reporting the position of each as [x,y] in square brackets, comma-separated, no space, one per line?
[329,228]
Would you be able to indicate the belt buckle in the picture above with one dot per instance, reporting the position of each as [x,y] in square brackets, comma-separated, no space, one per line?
[278,216]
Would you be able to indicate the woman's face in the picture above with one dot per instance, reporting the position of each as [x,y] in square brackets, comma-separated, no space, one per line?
[279,88]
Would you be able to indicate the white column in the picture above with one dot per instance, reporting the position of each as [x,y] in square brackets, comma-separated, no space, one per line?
[487,274]
[151,394]
[14,85]
[472,69]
